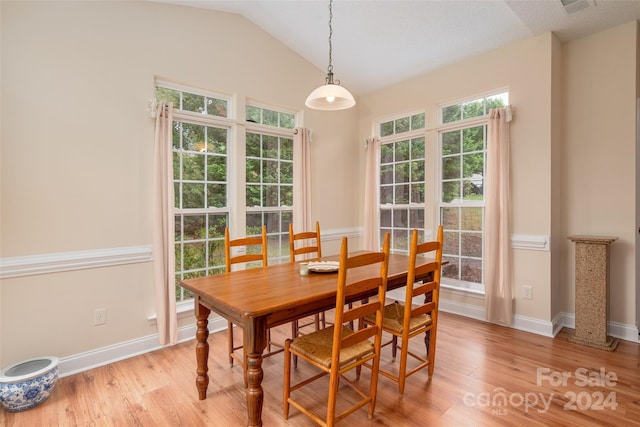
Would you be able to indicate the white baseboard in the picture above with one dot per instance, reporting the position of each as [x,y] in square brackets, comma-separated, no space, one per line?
[124,350]
[614,329]
[106,355]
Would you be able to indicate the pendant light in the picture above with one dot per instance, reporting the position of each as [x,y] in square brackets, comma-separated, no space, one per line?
[330,96]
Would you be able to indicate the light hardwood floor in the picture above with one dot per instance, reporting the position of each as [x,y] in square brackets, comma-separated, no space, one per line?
[484,376]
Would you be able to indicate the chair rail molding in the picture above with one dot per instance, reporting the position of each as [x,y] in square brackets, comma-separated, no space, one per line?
[67,261]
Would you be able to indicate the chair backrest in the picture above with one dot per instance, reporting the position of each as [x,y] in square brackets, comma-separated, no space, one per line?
[433,249]
[294,238]
[256,249]
[348,289]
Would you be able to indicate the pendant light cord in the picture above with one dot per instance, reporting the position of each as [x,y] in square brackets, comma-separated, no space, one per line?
[329,78]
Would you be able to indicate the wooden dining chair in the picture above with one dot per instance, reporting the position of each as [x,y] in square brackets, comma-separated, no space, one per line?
[338,349]
[419,313]
[255,252]
[306,245]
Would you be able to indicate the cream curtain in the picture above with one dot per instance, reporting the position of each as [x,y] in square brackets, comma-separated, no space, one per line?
[372,195]
[163,227]
[302,180]
[497,243]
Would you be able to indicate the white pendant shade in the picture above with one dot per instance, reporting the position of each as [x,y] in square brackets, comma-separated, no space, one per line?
[330,97]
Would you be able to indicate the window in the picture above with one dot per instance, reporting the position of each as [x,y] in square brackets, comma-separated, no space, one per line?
[463,143]
[402,179]
[205,168]
[269,178]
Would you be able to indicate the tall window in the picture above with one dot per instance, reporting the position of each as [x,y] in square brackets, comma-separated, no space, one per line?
[269,177]
[463,144]
[402,163]
[204,171]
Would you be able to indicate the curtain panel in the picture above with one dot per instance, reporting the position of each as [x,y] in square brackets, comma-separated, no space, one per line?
[497,242]
[302,180]
[163,227]
[372,195]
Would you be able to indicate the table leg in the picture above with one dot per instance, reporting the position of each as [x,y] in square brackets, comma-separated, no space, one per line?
[202,349]
[255,341]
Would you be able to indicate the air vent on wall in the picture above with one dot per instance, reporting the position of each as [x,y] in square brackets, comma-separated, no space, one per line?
[572,6]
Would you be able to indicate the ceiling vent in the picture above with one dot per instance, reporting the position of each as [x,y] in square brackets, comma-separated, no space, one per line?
[573,6]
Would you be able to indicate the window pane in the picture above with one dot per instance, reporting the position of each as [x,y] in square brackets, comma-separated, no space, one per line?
[386,195]
[286,148]
[216,140]
[253,114]
[451,243]
[417,170]
[471,219]
[217,224]
[473,139]
[270,193]
[269,171]
[402,194]
[287,121]
[286,173]
[253,170]
[417,193]
[192,137]
[400,218]
[216,168]
[452,269]
[386,128]
[451,218]
[217,107]
[402,173]
[473,109]
[451,114]
[451,167]
[253,198]
[194,255]
[386,153]
[192,196]
[417,148]
[450,191]
[417,121]
[400,241]
[402,151]
[385,218]
[386,174]
[193,167]
[254,224]
[286,196]
[270,117]
[253,145]
[194,227]
[471,270]
[216,253]
[193,102]
[451,143]
[217,195]
[168,95]
[416,219]
[270,147]
[471,244]
[402,125]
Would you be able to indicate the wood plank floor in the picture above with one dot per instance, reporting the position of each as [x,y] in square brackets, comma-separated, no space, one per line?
[485,375]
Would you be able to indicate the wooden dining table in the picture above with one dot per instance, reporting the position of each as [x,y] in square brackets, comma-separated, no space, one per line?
[260,298]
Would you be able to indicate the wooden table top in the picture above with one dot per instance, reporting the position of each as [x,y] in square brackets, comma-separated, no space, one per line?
[279,292]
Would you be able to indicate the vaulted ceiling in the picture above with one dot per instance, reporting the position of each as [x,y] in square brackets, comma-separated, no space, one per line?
[379,43]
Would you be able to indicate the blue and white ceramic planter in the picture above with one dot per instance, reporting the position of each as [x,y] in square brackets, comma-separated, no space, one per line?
[28,383]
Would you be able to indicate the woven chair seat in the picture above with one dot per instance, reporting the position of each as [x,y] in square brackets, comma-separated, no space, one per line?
[317,347]
[394,316]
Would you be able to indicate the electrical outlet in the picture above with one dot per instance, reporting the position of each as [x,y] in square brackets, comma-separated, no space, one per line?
[527,292]
[100,316]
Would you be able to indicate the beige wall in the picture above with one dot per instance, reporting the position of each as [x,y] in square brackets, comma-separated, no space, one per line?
[76,151]
[599,170]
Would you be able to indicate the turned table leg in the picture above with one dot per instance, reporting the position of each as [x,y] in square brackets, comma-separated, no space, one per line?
[202,349]
[255,341]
